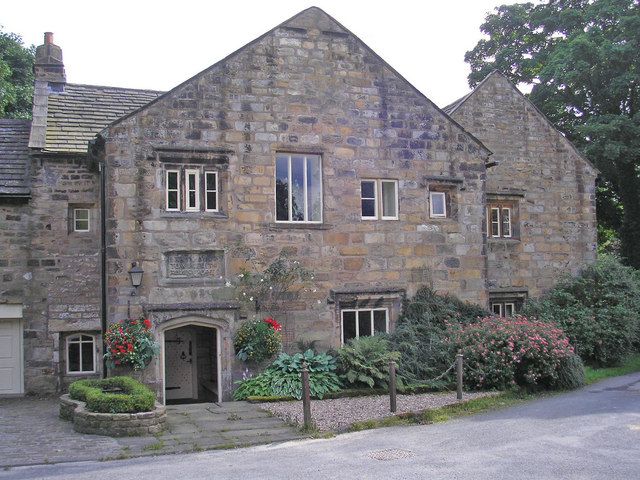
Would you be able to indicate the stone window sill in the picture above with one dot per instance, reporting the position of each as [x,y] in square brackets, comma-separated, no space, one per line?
[299,226]
[503,240]
[195,215]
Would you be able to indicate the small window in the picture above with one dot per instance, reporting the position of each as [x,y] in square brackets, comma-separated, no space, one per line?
[192,190]
[298,188]
[173,190]
[437,204]
[80,219]
[211,191]
[503,309]
[499,221]
[387,192]
[81,354]
[363,322]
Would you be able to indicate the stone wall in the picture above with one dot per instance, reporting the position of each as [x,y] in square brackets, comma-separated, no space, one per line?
[308,86]
[543,175]
[61,271]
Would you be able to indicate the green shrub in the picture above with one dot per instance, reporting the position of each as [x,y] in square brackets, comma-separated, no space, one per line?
[570,373]
[365,361]
[599,311]
[283,377]
[133,396]
[505,352]
[420,334]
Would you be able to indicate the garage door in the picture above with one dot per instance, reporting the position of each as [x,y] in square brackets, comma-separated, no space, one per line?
[10,357]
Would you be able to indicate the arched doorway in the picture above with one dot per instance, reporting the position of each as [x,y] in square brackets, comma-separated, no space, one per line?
[191,361]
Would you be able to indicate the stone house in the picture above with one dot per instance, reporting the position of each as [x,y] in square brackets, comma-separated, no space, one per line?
[305,143]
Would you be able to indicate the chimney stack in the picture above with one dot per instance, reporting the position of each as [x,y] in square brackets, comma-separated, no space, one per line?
[48,65]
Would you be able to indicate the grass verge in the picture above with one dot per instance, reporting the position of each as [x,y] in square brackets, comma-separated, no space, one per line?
[446,413]
[631,365]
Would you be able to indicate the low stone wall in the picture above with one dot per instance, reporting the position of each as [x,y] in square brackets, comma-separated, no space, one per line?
[112,424]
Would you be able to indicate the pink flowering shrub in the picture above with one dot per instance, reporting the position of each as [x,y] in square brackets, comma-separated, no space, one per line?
[505,352]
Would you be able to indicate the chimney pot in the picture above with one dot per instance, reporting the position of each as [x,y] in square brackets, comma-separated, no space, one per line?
[48,38]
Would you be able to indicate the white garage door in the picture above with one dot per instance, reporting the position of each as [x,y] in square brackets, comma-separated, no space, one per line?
[10,357]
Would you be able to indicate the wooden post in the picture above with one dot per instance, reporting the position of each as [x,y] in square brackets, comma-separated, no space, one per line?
[306,396]
[392,386]
[459,359]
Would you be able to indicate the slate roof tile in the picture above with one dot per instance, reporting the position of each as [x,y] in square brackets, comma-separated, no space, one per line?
[14,157]
[76,115]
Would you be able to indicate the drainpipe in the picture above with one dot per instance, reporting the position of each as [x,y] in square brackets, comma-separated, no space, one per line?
[103,259]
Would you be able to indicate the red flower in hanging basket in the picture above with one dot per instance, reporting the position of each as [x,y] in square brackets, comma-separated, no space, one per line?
[275,325]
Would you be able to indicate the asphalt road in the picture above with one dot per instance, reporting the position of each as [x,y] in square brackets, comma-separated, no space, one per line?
[593,433]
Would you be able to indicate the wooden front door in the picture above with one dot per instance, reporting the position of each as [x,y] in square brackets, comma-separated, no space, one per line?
[180,364]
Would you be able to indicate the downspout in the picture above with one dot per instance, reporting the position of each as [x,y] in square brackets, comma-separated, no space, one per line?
[97,158]
[103,259]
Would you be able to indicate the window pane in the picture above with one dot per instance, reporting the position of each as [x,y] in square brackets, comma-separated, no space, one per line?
[87,356]
[496,308]
[369,208]
[389,199]
[297,189]
[508,309]
[172,200]
[74,357]
[495,222]
[348,326]
[506,222]
[314,189]
[192,181]
[82,214]
[86,338]
[368,189]
[192,199]
[211,201]
[282,188]
[380,321]
[437,204]
[364,323]
[211,181]
[81,226]
[172,180]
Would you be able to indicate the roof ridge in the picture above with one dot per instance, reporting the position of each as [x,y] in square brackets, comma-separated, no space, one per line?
[116,88]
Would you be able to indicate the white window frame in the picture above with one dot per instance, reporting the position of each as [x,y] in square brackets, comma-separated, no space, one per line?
[76,219]
[444,204]
[290,191]
[178,190]
[206,192]
[395,186]
[502,308]
[490,223]
[357,312]
[379,200]
[77,338]
[375,199]
[188,172]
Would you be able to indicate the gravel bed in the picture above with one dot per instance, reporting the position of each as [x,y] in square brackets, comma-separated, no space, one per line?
[337,414]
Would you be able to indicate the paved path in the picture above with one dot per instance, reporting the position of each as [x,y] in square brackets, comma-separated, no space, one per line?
[593,433]
[31,433]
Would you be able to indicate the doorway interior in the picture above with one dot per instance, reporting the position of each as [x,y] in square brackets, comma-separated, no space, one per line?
[191,365]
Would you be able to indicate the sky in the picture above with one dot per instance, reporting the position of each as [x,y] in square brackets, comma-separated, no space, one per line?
[159,44]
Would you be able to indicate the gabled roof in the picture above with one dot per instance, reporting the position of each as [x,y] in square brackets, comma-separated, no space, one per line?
[327,24]
[76,115]
[452,107]
[14,158]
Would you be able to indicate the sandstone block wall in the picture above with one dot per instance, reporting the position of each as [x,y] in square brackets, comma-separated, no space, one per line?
[540,172]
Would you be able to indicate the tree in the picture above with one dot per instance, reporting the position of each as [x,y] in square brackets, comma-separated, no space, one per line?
[16,76]
[582,59]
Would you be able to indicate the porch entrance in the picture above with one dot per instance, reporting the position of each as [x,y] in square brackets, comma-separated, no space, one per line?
[191,365]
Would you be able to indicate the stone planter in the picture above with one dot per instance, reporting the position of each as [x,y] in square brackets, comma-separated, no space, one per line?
[112,424]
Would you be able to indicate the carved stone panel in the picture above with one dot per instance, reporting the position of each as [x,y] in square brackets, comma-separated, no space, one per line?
[206,266]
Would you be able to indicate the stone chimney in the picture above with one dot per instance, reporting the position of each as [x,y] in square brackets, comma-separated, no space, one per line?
[50,79]
[48,65]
